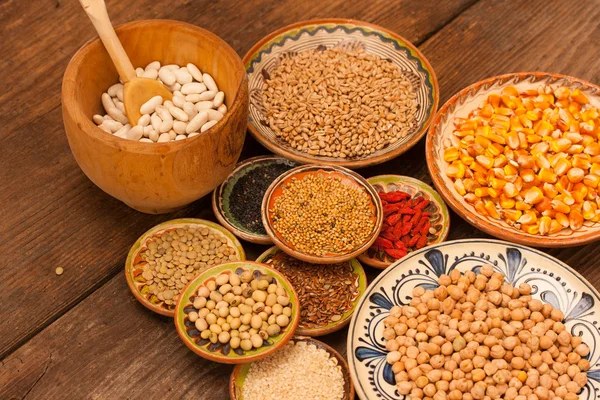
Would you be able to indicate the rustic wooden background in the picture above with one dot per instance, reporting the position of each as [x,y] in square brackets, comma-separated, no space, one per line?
[82,334]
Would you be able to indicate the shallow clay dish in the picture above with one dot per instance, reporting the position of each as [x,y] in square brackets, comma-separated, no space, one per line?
[274,253]
[134,259]
[344,34]
[552,281]
[348,177]
[441,130]
[240,372]
[440,218]
[224,354]
[221,197]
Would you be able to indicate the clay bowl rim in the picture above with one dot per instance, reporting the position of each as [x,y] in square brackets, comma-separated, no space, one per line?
[315,168]
[217,198]
[362,162]
[501,232]
[336,326]
[310,340]
[212,272]
[435,196]
[71,105]
[137,245]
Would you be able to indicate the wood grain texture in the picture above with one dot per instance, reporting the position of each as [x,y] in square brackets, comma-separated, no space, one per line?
[52,215]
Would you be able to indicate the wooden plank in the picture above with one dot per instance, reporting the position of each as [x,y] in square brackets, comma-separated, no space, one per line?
[52,215]
[108,346]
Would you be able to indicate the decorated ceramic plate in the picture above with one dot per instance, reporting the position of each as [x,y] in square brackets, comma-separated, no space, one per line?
[274,256]
[136,260]
[439,219]
[551,280]
[441,133]
[223,353]
[240,372]
[251,231]
[343,34]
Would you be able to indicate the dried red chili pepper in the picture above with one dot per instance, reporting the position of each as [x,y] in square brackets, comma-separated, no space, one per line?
[406,228]
[413,240]
[393,197]
[393,219]
[416,218]
[384,243]
[400,245]
[425,228]
[396,253]
[421,242]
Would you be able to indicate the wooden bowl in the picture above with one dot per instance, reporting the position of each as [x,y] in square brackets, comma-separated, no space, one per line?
[274,252]
[440,217]
[348,178]
[460,105]
[155,177]
[240,372]
[223,354]
[221,197]
[133,258]
[265,55]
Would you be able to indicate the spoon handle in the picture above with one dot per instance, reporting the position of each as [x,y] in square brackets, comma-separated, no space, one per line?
[96,10]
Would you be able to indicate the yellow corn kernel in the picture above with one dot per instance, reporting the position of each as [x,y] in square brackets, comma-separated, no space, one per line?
[574,137]
[510,169]
[559,206]
[547,176]
[464,133]
[527,175]
[506,111]
[500,161]
[592,194]
[534,195]
[490,207]
[451,154]
[496,138]
[539,149]
[509,91]
[581,162]
[512,215]
[492,151]
[497,184]
[545,225]
[562,219]
[579,192]
[544,205]
[575,220]
[541,161]
[594,169]
[494,100]
[456,170]
[486,111]
[574,149]
[549,190]
[512,140]
[525,161]
[588,210]
[593,149]
[532,139]
[481,178]
[555,227]
[525,121]
[591,180]
[481,192]
[562,166]
[506,202]
[470,185]
[493,193]
[485,162]
[471,198]
[482,141]
[561,144]
[466,159]
[544,128]
[575,175]
[533,115]
[579,97]
[531,229]
[480,208]
[460,187]
[510,190]
[589,114]
[500,121]
[522,206]
[562,93]
[587,127]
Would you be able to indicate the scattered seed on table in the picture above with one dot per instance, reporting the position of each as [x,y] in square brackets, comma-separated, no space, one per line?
[59,271]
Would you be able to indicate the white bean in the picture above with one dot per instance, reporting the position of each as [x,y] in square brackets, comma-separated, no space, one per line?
[214,115]
[135,133]
[208,95]
[193,134]
[166,126]
[123,131]
[197,122]
[178,93]
[119,105]
[178,113]
[176,86]
[117,115]
[106,116]
[153,136]
[138,72]
[150,74]
[190,109]
[155,121]
[208,125]
[219,97]
[104,128]
[183,76]
[149,106]
[144,120]
[195,72]
[204,105]
[193,87]
[163,113]
[180,137]
[209,82]
[146,140]
[172,67]
[112,91]
[98,119]
[179,101]
[107,102]
[172,134]
[179,127]
[147,130]
[153,65]
[222,109]
[114,125]
[194,97]
[120,93]
[167,76]
[164,138]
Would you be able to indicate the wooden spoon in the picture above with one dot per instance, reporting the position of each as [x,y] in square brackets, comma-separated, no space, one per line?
[137,90]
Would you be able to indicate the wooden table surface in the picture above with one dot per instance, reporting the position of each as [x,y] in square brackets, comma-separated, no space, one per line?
[82,334]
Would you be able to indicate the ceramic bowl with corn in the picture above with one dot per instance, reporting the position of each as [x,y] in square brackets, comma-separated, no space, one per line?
[518,156]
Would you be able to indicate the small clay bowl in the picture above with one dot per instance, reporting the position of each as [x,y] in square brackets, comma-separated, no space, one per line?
[440,218]
[348,177]
[269,256]
[441,131]
[240,372]
[133,258]
[221,202]
[224,354]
